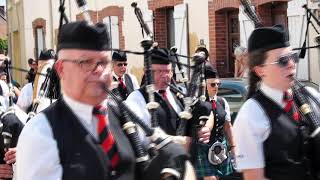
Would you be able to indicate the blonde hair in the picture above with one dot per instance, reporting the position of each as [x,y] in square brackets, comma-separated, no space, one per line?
[238,51]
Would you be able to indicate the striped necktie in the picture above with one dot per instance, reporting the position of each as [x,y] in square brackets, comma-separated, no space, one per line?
[290,107]
[121,83]
[213,104]
[164,95]
[106,138]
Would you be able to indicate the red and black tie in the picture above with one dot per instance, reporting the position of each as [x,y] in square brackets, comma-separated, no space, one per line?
[121,83]
[290,107]
[106,138]
[213,104]
[163,93]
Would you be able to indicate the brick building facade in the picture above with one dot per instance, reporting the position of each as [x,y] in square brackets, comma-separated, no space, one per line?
[3,23]
[224,32]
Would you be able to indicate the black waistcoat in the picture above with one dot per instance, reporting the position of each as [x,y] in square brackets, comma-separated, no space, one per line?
[14,126]
[168,118]
[129,86]
[284,149]
[219,113]
[81,156]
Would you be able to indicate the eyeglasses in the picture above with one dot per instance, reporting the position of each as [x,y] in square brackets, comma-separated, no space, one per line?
[88,65]
[158,71]
[214,84]
[122,64]
[284,60]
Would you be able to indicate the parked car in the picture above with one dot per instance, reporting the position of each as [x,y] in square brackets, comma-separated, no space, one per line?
[234,90]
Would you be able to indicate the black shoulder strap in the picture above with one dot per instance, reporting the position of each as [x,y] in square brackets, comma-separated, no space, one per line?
[55,128]
[144,93]
[221,102]
[129,83]
[271,109]
[1,91]
[178,100]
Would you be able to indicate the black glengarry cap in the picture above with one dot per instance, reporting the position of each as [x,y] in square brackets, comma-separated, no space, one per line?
[81,35]
[119,56]
[268,38]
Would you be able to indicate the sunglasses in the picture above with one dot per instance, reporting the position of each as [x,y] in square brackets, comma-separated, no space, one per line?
[122,64]
[284,60]
[215,84]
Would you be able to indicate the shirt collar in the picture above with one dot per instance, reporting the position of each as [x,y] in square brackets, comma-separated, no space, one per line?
[213,98]
[83,111]
[167,90]
[116,76]
[274,94]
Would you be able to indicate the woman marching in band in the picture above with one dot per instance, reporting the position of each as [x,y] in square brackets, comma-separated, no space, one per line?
[268,129]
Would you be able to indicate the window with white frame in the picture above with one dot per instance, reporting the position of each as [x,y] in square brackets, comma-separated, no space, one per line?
[112,22]
[40,41]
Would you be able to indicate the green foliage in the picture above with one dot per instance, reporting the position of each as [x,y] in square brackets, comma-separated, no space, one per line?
[3,45]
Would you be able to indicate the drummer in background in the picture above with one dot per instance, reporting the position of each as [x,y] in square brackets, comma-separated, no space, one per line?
[127,82]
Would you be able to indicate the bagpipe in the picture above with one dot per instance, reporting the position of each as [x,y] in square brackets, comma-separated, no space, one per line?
[309,109]
[308,105]
[41,85]
[163,158]
[194,93]
[11,120]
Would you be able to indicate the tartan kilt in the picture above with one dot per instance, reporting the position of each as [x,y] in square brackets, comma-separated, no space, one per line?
[204,168]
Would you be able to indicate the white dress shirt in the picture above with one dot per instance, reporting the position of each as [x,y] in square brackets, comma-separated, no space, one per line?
[37,151]
[5,95]
[137,104]
[226,107]
[252,127]
[25,98]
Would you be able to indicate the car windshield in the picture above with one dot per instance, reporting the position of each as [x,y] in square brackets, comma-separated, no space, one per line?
[230,95]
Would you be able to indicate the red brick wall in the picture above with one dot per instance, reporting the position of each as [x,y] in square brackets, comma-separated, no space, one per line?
[114,11]
[272,14]
[264,13]
[39,23]
[261,2]
[212,33]
[218,5]
[3,29]
[221,41]
[218,25]
[160,27]
[156,4]
[218,33]
[159,8]
[93,16]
